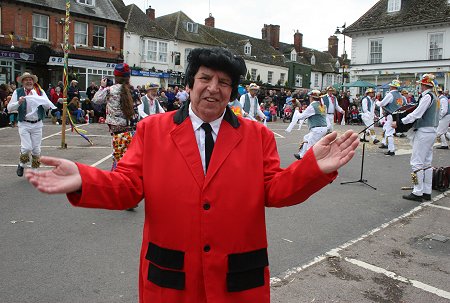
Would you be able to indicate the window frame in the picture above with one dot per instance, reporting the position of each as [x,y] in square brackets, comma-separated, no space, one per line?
[378,51]
[282,78]
[293,56]
[192,27]
[77,34]
[248,49]
[40,27]
[394,6]
[298,80]
[316,80]
[253,73]
[94,37]
[155,52]
[85,2]
[431,55]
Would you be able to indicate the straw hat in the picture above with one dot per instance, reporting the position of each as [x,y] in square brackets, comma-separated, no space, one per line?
[253,86]
[315,94]
[330,88]
[395,83]
[27,75]
[150,86]
[370,90]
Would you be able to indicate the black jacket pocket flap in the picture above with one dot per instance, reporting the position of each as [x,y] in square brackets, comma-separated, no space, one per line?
[247,261]
[164,257]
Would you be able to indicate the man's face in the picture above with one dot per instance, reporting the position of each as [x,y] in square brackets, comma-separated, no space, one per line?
[210,93]
[253,92]
[330,93]
[151,93]
[28,83]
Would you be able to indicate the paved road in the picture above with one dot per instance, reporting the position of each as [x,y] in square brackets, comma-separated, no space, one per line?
[52,252]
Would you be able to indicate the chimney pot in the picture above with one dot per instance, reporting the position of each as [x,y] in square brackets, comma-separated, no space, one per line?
[150,12]
[210,21]
[298,41]
[333,43]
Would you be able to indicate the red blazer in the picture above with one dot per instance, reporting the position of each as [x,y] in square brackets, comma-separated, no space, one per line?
[204,237]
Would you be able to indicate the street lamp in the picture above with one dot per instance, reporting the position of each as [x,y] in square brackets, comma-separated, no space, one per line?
[340,31]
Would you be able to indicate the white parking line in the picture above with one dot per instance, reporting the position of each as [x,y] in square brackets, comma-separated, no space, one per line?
[278,135]
[392,275]
[101,161]
[439,206]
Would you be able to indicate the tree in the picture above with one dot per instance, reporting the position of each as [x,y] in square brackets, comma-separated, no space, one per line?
[258,78]
[249,77]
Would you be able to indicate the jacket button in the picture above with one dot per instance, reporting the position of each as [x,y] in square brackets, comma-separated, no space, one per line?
[206,248]
[206,206]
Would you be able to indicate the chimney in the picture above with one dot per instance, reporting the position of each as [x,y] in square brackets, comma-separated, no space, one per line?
[333,42]
[298,41]
[271,33]
[150,12]
[210,21]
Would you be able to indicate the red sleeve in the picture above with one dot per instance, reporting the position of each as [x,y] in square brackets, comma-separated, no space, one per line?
[120,189]
[296,183]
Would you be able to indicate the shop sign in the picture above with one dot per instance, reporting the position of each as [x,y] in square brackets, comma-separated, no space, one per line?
[81,63]
[141,73]
[16,55]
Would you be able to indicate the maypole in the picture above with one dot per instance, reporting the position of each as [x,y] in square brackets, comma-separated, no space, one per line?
[65,76]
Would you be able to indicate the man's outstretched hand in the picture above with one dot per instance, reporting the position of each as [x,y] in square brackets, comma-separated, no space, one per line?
[332,153]
[63,178]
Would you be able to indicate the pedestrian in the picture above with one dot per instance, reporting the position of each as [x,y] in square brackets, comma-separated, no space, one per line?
[332,106]
[425,118]
[316,113]
[444,119]
[250,104]
[368,116]
[31,102]
[73,90]
[120,114]
[150,104]
[202,242]
[390,103]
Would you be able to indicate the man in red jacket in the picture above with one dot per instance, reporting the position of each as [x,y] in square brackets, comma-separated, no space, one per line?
[202,242]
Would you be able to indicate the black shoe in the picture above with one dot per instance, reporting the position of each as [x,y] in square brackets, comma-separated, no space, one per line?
[402,136]
[442,147]
[389,153]
[297,156]
[426,197]
[131,208]
[412,197]
[19,170]
[376,141]
[384,146]
[363,140]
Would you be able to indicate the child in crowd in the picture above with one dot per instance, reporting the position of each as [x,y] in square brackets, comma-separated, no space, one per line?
[273,111]
[354,115]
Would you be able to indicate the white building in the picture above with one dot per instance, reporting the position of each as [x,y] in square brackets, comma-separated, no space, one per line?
[393,41]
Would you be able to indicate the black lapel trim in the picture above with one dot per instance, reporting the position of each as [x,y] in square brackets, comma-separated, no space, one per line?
[183,113]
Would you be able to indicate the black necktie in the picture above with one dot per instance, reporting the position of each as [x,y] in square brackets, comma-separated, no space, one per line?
[209,143]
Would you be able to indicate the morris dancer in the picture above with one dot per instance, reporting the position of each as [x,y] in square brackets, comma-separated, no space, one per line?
[150,103]
[330,101]
[250,105]
[31,102]
[444,119]
[317,123]
[426,119]
[368,115]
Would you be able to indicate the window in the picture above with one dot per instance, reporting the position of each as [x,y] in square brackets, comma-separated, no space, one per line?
[394,5]
[298,80]
[316,80]
[376,47]
[436,46]
[152,50]
[329,80]
[293,56]
[87,2]
[269,77]
[313,60]
[253,74]
[248,49]
[192,27]
[99,36]
[187,51]
[162,52]
[282,78]
[40,27]
[81,33]
[156,51]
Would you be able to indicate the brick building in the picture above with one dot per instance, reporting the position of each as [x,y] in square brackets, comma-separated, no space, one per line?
[32,35]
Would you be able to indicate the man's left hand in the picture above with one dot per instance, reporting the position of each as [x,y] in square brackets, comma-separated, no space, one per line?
[332,152]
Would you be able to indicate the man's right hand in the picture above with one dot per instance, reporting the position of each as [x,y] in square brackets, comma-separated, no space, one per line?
[63,178]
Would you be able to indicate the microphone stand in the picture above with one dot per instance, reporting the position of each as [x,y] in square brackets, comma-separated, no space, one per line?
[361,180]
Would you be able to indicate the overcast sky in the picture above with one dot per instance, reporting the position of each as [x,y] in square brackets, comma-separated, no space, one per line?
[316,20]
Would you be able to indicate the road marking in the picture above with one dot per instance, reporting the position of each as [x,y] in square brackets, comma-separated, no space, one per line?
[400,152]
[278,135]
[439,206]
[287,240]
[335,251]
[101,161]
[392,275]
[15,165]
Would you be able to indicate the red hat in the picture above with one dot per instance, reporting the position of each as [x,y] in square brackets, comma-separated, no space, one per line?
[122,70]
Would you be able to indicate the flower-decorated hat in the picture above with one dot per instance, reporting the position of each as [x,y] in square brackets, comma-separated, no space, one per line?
[315,94]
[428,80]
[395,83]
[370,90]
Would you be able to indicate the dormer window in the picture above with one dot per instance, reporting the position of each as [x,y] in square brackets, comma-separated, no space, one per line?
[87,2]
[248,49]
[394,5]
[293,55]
[192,27]
[313,60]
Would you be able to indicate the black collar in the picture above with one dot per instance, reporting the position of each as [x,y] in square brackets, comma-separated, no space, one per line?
[183,113]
